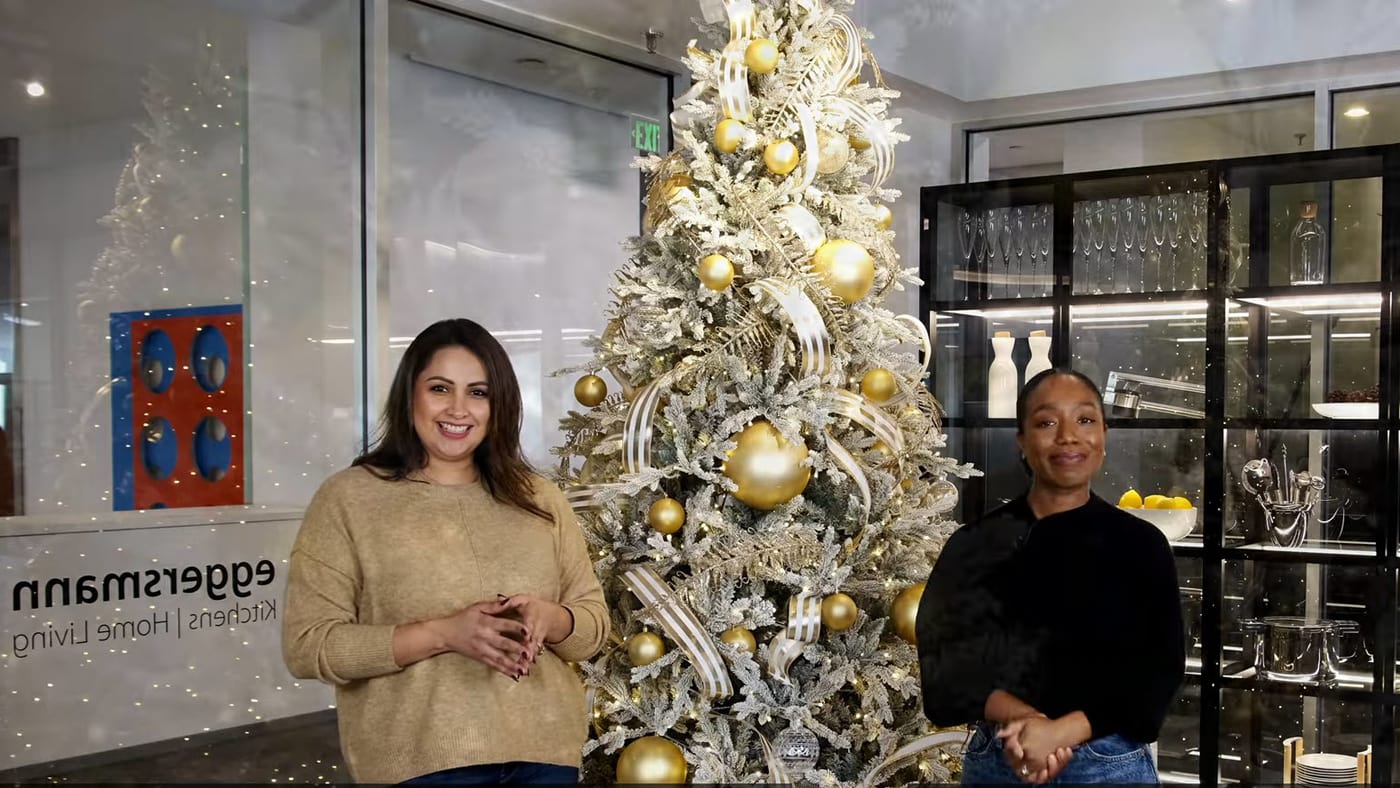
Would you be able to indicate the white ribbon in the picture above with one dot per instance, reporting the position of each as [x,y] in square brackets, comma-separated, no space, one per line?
[873,130]
[855,407]
[847,463]
[682,626]
[803,627]
[636,435]
[807,323]
[804,225]
[922,744]
[733,70]
[925,342]
[850,64]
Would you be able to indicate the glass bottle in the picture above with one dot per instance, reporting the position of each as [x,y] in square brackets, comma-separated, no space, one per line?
[1306,265]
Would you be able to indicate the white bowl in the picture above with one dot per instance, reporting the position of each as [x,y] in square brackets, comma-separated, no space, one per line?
[1347,410]
[1173,523]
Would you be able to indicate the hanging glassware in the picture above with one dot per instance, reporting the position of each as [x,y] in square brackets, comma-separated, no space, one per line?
[1128,224]
[1044,243]
[1306,265]
[1018,242]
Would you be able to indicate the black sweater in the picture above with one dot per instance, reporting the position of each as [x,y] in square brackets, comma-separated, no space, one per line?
[1076,612]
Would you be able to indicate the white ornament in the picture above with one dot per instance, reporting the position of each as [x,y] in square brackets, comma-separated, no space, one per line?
[797,748]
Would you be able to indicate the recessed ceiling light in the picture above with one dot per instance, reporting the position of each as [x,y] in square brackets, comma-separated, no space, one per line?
[35,89]
[1357,112]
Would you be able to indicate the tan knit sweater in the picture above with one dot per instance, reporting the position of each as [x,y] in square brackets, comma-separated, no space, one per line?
[372,554]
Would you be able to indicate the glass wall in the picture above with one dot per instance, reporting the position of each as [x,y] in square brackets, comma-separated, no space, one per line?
[510,191]
[186,348]
[1215,132]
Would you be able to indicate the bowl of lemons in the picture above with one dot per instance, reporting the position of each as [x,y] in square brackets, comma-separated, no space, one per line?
[1174,516]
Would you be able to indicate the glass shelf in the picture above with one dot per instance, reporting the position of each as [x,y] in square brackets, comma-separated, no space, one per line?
[1304,356]
[994,242]
[1148,357]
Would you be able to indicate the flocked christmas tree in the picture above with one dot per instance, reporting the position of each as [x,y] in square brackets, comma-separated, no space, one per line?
[767,493]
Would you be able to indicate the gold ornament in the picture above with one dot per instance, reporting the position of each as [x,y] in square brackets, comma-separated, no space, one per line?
[678,186]
[905,484]
[859,143]
[645,648]
[884,218]
[716,272]
[839,612]
[846,268]
[761,56]
[769,470]
[590,390]
[780,157]
[905,612]
[666,516]
[883,448]
[652,760]
[833,151]
[740,638]
[729,135]
[879,384]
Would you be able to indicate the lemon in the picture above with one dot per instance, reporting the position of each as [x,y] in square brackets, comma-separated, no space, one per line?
[1155,501]
[1178,503]
[1131,500]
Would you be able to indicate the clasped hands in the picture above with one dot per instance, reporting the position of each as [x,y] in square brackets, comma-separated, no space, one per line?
[1036,747]
[506,634]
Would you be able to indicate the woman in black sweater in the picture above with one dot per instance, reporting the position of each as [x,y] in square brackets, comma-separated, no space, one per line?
[1054,622]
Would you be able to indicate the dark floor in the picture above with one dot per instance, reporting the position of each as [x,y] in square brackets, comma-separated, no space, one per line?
[300,750]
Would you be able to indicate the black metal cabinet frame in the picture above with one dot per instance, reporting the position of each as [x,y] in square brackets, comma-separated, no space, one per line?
[1222,176]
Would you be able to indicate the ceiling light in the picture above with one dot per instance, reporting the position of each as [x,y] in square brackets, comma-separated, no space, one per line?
[1357,111]
[35,89]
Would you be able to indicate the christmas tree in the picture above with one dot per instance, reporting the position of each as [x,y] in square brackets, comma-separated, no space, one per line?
[766,494]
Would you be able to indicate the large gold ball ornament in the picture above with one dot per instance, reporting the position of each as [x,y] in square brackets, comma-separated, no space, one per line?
[769,470]
[678,186]
[740,638]
[652,760]
[590,390]
[839,612]
[761,56]
[716,272]
[884,217]
[780,157]
[645,648]
[833,151]
[666,516]
[878,385]
[846,268]
[904,613]
[729,135]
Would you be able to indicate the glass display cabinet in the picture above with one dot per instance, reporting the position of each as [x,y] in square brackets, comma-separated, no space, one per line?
[1238,316]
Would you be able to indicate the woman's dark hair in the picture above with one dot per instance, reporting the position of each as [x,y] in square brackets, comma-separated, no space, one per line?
[1024,398]
[397,451]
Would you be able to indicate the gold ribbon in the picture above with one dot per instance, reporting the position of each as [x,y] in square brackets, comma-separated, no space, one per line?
[636,435]
[733,71]
[682,626]
[921,333]
[920,745]
[806,323]
[803,627]
[874,131]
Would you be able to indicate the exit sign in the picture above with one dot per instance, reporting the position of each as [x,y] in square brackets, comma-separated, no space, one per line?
[646,135]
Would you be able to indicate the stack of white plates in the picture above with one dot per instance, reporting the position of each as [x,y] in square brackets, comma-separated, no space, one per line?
[1325,768]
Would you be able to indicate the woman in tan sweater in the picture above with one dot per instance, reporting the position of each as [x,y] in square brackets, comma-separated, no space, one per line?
[443,588]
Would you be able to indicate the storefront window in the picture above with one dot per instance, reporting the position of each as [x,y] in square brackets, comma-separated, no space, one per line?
[179,231]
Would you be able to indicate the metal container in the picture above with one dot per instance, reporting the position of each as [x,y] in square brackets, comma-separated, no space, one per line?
[1296,650]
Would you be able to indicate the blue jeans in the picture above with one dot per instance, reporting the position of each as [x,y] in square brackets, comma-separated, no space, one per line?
[1110,759]
[515,773]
